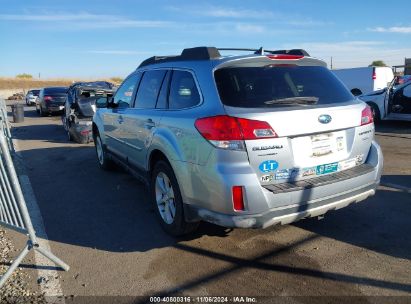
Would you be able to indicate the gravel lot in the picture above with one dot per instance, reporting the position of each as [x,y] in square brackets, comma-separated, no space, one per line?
[17,289]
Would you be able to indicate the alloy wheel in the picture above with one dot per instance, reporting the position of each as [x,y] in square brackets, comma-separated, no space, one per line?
[99,150]
[165,198]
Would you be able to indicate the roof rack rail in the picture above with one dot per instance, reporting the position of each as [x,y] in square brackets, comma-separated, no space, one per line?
[207,53]
[196,53]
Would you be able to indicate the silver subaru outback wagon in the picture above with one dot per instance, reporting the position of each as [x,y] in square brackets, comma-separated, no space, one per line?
[244,141]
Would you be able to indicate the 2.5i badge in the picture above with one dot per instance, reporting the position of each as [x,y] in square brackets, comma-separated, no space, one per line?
[268,166]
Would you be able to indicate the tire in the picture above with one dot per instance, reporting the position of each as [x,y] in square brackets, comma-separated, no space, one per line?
[64,122]
[104,161]
[166,197]
[375,113]
[69,136]
[41,113]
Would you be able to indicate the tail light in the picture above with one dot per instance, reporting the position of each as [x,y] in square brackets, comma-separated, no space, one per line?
[48,98]
[229,132]
[366,116]
[238,201]
[374,75]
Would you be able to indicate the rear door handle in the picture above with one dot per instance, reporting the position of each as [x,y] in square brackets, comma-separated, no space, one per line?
[149,123]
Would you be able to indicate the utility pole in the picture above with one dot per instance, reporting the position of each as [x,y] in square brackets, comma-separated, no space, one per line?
[331,66]
[39,75]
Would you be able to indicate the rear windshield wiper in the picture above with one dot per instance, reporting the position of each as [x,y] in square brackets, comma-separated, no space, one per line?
[306,100]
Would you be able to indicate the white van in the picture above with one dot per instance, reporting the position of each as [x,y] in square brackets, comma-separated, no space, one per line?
[365,80]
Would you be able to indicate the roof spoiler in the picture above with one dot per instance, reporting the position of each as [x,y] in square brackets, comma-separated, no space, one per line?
[208,53]
[262,51]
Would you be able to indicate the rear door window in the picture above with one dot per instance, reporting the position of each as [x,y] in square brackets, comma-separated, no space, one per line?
[163,96]
[149,89]
[183,91]
[279,85]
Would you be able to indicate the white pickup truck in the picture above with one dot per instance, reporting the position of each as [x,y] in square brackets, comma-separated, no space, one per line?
[391,103]
[366,79]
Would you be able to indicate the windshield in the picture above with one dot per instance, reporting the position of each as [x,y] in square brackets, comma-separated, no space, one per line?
[34,92]
[279,85]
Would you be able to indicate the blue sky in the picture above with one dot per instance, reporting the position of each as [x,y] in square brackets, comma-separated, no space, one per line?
[110,38]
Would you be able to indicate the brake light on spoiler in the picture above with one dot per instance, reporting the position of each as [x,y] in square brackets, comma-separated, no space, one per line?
[285,57]
[227,132]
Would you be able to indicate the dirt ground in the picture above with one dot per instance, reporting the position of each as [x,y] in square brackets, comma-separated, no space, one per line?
[26,84]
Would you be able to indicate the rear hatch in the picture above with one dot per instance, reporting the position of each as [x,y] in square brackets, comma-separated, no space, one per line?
[314,125]
[55,97]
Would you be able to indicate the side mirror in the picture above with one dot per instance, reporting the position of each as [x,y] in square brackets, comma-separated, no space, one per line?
[103,102]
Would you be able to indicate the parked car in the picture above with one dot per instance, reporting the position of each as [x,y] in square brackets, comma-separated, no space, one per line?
[80,108]
[365,80]
[392,103]
[31,97]
[240,141]
[51,100]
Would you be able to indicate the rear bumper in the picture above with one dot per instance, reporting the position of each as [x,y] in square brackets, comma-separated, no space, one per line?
[55,108]
[287,215]
[266,207]
[82,133]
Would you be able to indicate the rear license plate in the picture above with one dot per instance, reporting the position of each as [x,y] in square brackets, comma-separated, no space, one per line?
[56,108]
[321,144]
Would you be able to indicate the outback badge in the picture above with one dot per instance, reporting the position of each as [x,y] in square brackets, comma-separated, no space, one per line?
[324,118]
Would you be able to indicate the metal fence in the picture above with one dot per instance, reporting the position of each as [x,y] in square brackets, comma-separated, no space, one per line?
[13,209]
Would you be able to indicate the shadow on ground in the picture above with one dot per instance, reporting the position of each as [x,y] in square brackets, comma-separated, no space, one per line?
[110,211]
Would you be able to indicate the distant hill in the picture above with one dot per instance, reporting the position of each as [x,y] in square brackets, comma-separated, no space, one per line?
[26,84]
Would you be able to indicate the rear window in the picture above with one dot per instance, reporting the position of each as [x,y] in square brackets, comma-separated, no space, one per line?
[55,90]
[183,91]
[276,85]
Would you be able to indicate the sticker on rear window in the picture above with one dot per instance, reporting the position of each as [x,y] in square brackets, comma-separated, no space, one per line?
[268,166]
